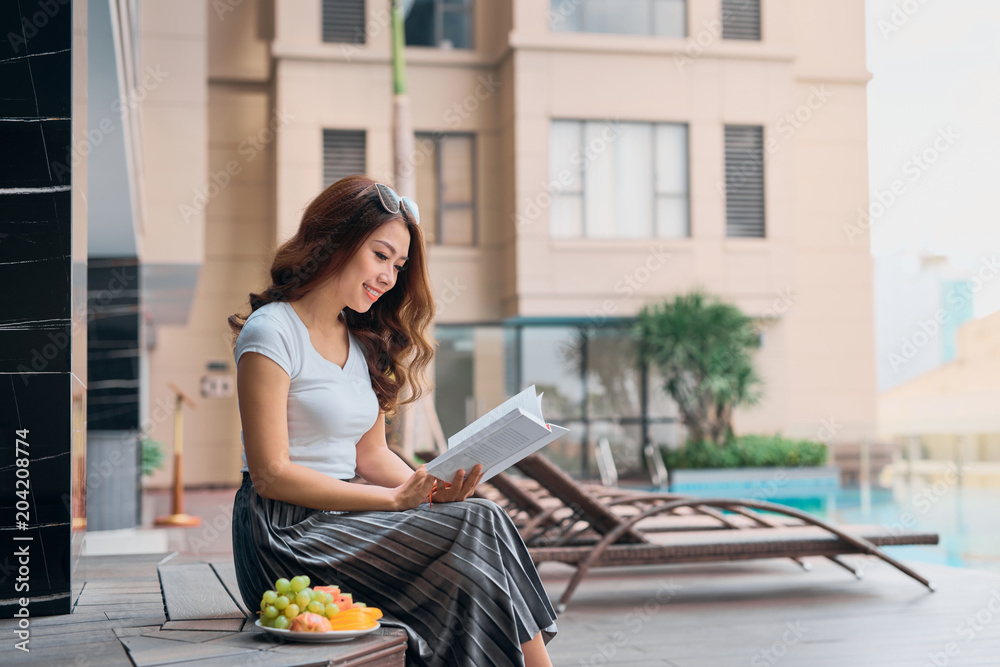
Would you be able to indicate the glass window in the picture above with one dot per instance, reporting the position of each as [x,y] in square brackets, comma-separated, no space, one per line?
[454,392]
[590,378]
[446,189]
[618,180]
[614,385]
[569,452]
[625,441]
[660,18]
[426,174]
[441,23]
[672,218]
[550,360]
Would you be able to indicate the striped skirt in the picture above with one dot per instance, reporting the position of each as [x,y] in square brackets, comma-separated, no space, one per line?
[455,576]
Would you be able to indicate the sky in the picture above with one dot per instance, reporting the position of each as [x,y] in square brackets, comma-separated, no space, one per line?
[935,68]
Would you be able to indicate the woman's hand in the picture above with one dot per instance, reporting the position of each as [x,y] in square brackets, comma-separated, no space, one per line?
[460,488]
[415,490]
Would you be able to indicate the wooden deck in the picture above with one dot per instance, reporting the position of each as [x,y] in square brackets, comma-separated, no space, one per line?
[770,613]
[760,613]
[147,610]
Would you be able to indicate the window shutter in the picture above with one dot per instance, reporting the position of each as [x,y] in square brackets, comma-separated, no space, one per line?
[344,21]
[343,154]
[741,19]
[745,181]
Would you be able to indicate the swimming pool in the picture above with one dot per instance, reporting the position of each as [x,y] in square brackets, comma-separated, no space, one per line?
[966,518]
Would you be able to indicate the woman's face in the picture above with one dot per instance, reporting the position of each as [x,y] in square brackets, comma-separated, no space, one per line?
[375,266]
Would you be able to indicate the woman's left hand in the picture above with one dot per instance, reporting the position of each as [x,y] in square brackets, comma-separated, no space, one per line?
[461,487]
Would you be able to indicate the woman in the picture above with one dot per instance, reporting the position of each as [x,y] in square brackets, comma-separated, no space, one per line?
[321,359]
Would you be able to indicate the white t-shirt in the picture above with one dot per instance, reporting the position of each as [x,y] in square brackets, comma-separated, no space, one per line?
[329,407]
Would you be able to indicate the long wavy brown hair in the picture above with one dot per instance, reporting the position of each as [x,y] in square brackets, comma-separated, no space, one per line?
[393,332]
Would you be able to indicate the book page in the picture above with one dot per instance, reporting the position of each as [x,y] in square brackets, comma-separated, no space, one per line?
[526,400]
[511,438]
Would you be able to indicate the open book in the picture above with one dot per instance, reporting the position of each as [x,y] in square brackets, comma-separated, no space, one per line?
[498,439]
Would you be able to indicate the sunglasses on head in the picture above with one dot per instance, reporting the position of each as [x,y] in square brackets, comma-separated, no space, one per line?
[392,202]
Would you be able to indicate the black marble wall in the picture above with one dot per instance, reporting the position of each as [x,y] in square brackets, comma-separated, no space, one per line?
[35,307]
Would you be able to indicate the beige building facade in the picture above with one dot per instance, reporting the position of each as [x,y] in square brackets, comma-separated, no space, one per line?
[950,414]
[525,130]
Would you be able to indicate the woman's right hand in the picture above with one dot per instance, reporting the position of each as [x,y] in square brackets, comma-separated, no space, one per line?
[415,490]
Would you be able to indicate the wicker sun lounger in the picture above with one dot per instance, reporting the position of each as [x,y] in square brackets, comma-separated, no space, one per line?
[622,541]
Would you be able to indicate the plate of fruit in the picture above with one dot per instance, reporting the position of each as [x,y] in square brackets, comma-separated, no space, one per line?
[293,610]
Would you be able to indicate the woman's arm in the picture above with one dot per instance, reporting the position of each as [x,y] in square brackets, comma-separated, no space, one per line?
[380,465]
[377,463]
[262,387]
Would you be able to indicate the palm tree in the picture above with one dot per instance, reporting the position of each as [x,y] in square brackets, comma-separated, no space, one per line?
[702,347]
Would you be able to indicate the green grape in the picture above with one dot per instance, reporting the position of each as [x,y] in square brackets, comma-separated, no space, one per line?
[302,599]
[298,583]
[309,592]
[281,602]
[270,597]
[327,598]
[281,623]
[271,612]
[263,605]
[267,622]
[316,607]
[291,611]
[305,580]
[282,586]
[330,609]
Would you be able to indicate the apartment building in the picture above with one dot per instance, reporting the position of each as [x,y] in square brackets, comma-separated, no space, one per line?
[575,159]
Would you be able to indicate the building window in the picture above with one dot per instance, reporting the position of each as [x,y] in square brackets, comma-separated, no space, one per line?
[343,154]
[618,180]
[741,19]
[745,181]
[344,21]
[446,187]
[589,375]
[443,23]
[660,18]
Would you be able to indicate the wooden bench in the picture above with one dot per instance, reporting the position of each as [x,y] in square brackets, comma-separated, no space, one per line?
[207,624]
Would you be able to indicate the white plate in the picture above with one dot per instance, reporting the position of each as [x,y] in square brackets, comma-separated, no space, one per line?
[317,637]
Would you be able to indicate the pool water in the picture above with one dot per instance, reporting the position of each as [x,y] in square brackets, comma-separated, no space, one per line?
[966,518]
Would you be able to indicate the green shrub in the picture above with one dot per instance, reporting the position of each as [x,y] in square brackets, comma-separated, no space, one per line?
[748,451]
[151,456]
